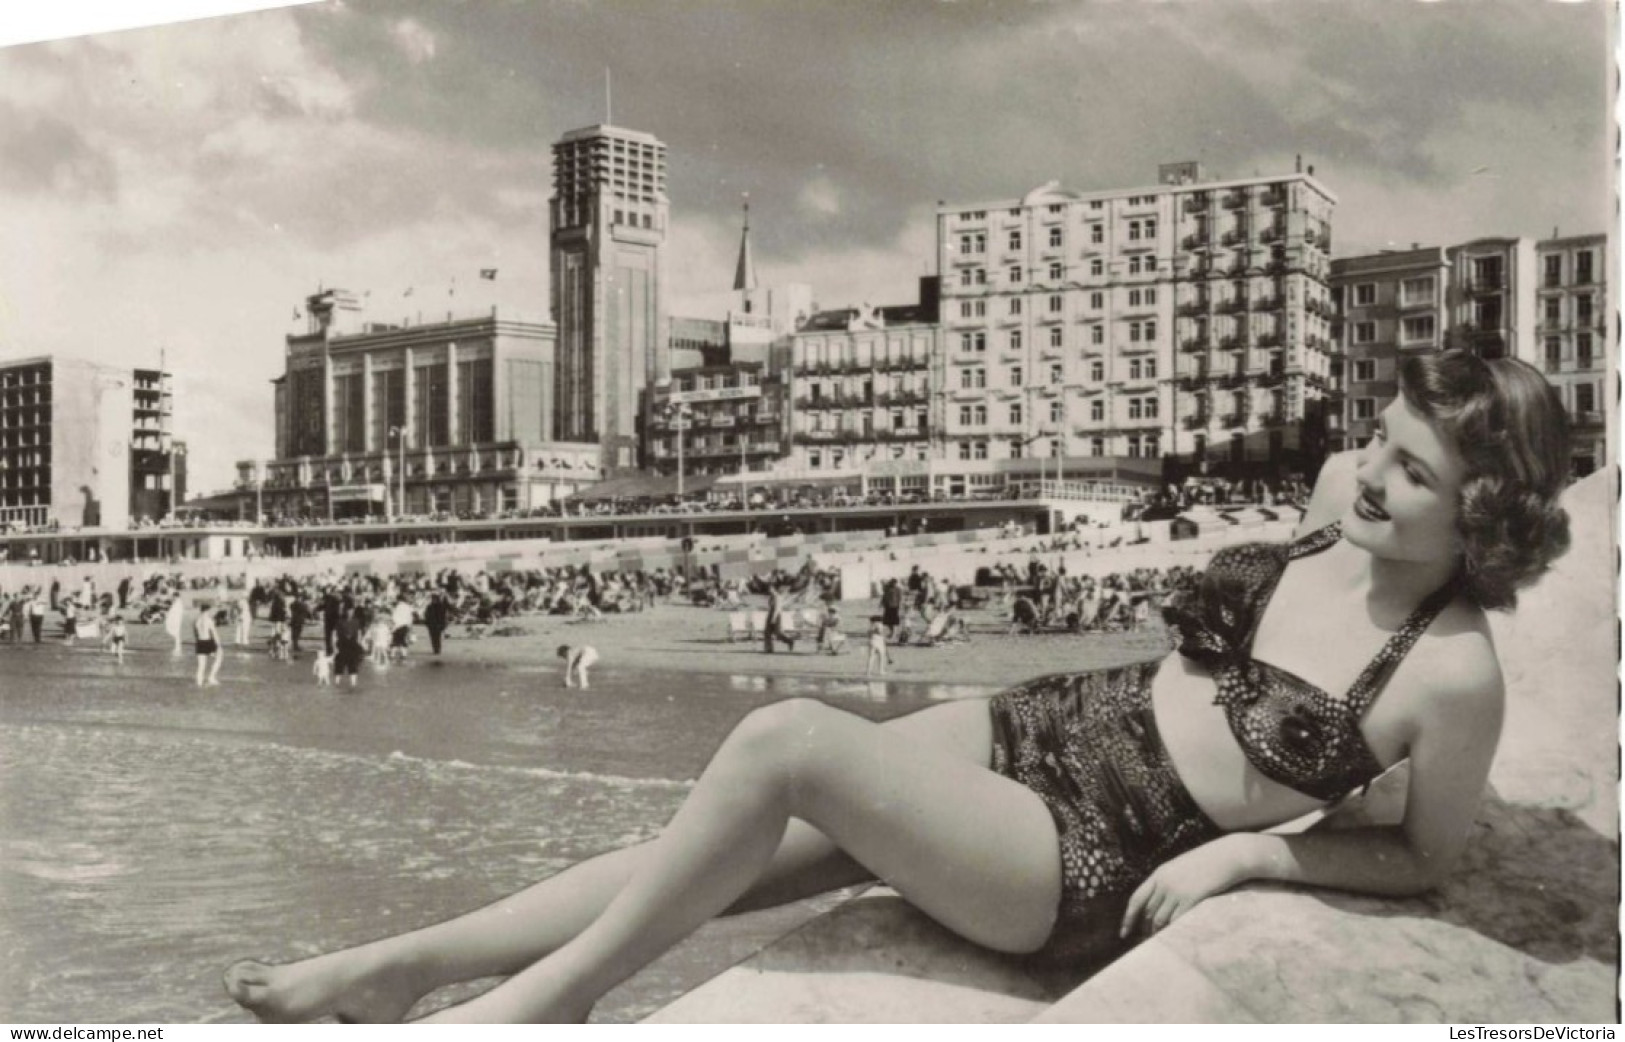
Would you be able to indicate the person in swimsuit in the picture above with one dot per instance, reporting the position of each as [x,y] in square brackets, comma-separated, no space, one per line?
[577,660]
[1074,811]
[208,646]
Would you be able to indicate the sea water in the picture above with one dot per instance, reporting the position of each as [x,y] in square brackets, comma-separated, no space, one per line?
[151,832]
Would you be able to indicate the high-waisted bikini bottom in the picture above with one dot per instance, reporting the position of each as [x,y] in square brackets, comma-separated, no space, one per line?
[1088,745]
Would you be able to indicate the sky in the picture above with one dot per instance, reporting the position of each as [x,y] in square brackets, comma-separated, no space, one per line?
[180,189]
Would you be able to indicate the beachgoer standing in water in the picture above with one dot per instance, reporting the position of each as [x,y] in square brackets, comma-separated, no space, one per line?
[208,650]
[173,623]
[878,659]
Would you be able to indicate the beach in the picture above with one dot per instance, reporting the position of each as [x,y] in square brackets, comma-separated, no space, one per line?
[155,831]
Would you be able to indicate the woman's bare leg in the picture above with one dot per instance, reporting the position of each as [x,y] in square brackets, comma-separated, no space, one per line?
[380,981]
[976,851]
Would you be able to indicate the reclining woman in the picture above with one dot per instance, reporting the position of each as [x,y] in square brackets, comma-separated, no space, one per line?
[1074,810]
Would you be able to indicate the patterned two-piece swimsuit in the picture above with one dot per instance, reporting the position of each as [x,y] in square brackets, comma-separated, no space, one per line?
[1088,745]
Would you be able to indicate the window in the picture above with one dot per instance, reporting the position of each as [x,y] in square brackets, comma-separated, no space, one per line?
[1097,267]
[1097,234]
[1055,207]
[1055,237]
[1417,329]
[1097,301]
[1015,305]
[1134,231]
[1134,332]
[967,277]
[1015,413]
[1097,446]
[1150,227]
[1150,368]
[1097,335]
[1097,370]
[1015,376]
[1553,308]
[1585,398]
[1554,353]
[1057,374]
[1097,410]
[1015,239]
[973,341]
[981,276]
[1365,294]
[972,308]
[1582,350]
[971,378]
[1015,340]
[1365,408]
[1057,272]
[1416,291]
[1582,268]
[1015,273]
[964,450]
[1150,262]
[1057,412]
[1582,310]
[979,450]
[1055,304]
[1365,369]
[1365,332]
[1134,445]
[1554,270]
[1134,369]
[1055,336]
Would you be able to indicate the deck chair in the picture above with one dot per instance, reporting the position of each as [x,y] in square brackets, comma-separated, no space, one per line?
[738,626]
[933,633]
[758,624]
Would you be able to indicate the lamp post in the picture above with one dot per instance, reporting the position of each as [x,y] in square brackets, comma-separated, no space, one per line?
[399,434]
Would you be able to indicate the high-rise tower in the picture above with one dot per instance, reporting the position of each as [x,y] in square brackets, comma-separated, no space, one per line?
[609,216]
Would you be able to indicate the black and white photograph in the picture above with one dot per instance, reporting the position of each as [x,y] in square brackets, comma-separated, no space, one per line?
[809,512]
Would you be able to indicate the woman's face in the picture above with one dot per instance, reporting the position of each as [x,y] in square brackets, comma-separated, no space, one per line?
[1408,484]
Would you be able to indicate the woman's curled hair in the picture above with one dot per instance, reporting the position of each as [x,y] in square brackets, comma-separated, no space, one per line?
[1510,428]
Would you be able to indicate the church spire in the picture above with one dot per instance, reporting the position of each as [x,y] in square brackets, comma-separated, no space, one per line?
[745,273]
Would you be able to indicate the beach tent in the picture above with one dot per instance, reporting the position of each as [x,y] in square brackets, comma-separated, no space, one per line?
[1195,525]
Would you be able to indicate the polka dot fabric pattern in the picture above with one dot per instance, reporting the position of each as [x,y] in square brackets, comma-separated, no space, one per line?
[1088,745]
[1290,730]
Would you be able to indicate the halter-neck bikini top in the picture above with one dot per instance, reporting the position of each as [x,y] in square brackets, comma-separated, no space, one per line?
[1289,729]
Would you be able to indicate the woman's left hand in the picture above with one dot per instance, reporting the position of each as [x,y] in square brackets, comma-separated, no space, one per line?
[1178,885]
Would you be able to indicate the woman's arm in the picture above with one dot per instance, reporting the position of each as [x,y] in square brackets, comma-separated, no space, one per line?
[1456,731]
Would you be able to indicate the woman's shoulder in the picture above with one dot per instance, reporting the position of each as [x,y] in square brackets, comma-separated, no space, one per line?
[1454,666]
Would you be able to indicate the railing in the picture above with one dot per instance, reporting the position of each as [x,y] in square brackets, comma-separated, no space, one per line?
[1196,241]
[1235,200]
[1192,308]
[1233,419]
[1196,203]
[1487,284]
[1195,343]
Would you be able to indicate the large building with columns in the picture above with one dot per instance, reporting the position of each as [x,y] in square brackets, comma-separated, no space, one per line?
[450,417]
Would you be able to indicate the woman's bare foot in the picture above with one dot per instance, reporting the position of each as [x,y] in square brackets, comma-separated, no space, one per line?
[341,985]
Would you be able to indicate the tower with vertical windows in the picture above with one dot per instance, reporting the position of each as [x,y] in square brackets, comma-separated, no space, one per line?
[609,214]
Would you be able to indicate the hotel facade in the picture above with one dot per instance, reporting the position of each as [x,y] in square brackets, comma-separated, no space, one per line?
[86,445]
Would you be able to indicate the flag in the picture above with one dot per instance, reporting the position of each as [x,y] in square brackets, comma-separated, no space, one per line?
[488,273]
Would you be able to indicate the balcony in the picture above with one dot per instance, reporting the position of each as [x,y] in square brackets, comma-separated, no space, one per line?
[1193,308]
[1233,419]
[1195,343]
[1197,421]
[1232,306]
[1269,339]
[1196,241]
[1234,238]
[1274,233]
[1275,267]
[1235,199]
[1268,304]
[1193,381]
[1491,283]
[1273,196]
[1272,417]
[1586,417]
[1232,343]
[1196,203]
[1238,268]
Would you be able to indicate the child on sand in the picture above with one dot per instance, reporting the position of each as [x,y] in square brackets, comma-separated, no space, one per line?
[576,661]
[879,658]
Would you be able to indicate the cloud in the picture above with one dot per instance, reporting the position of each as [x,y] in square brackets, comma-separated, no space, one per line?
[820,196]
[414,41]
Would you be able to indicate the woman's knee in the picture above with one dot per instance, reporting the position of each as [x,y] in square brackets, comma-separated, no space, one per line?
[784,735]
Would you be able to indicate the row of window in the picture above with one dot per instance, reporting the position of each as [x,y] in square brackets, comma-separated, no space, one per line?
[1139,331]
[1055,303]
[1137,230]
[972,378]
[1143,407]
[1416,329]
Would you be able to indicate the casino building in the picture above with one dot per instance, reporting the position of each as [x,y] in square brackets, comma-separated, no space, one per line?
[440,418]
